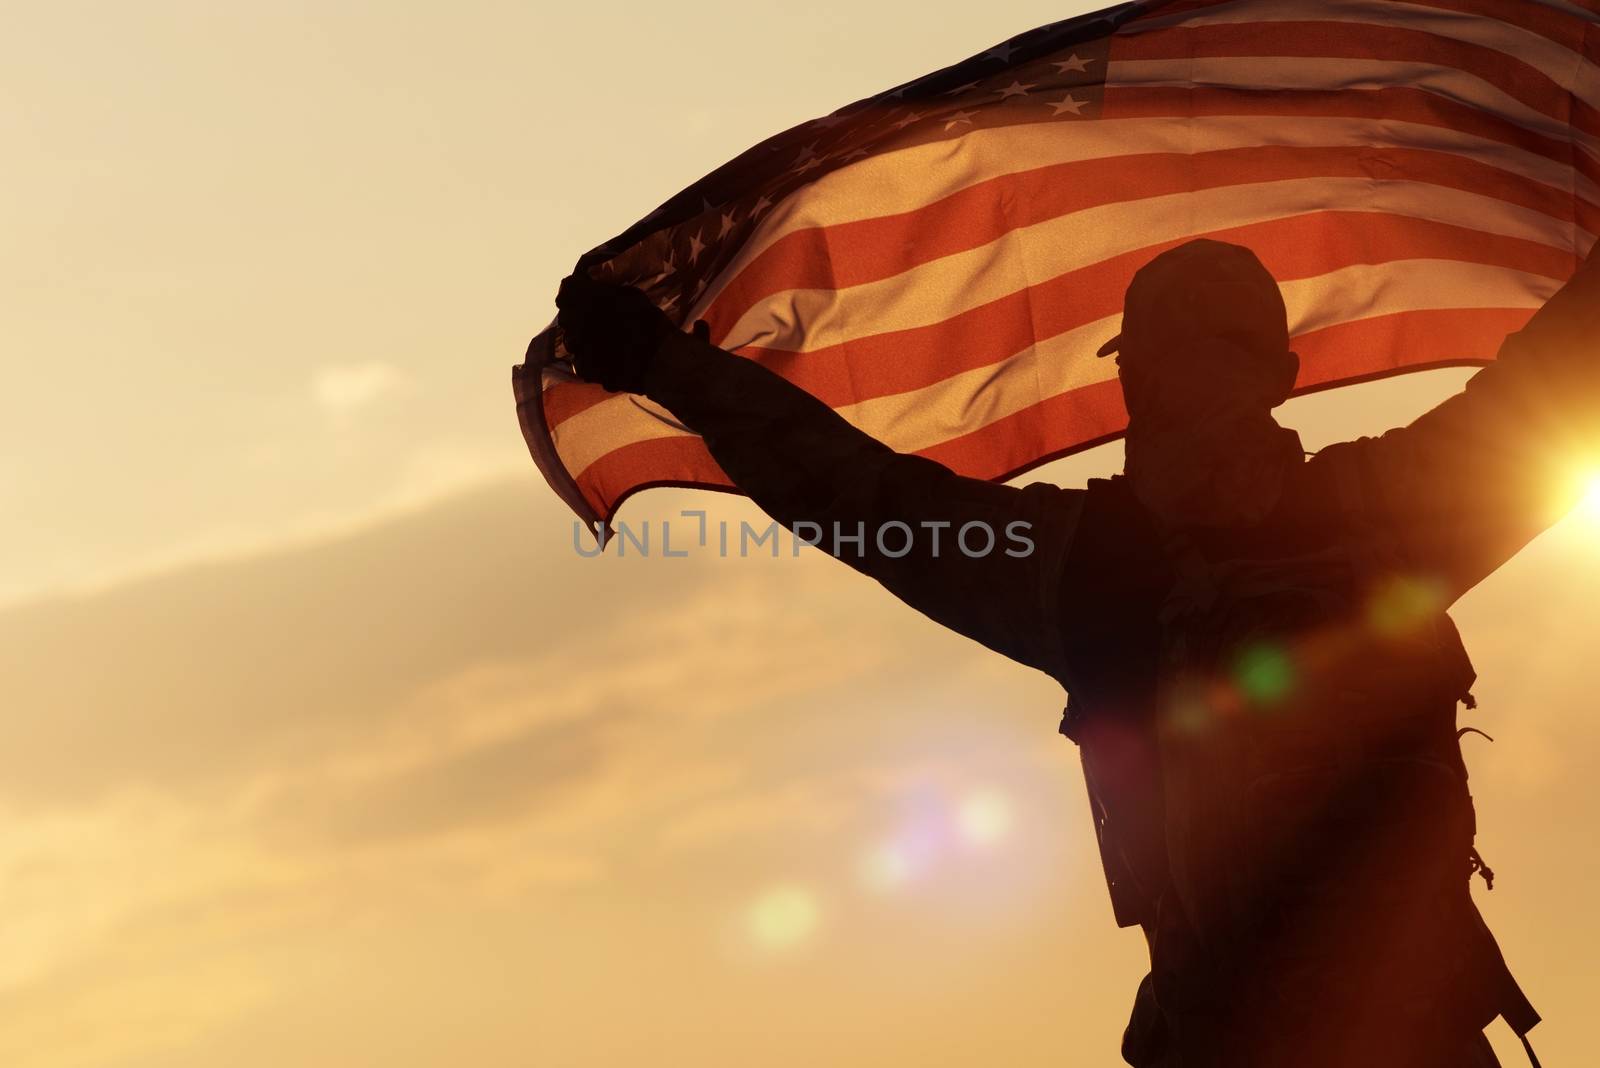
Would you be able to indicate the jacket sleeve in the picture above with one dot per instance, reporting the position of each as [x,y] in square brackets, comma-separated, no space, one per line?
[915,526]
[1468,484]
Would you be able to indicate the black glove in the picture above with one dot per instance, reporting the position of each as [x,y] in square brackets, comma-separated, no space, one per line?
[612,331]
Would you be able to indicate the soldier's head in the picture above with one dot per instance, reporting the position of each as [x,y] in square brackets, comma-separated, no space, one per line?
[1204,335]
[1203,358]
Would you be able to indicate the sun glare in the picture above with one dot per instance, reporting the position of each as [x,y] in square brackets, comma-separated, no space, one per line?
[1589,506]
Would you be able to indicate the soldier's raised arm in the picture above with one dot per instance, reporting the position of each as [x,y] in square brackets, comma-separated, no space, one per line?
[1472,481]
[981,558]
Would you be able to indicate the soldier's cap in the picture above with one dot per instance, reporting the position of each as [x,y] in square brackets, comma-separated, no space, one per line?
[1205,288]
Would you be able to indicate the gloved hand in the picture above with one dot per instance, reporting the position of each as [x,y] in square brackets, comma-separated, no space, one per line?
[612,331]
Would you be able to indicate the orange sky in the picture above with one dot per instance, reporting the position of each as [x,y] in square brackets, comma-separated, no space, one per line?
[323,747]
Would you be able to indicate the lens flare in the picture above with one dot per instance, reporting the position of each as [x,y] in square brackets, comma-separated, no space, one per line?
[983,817]
[934,830]
[1404,603]
[887,868]
[783,917]
[1264,673]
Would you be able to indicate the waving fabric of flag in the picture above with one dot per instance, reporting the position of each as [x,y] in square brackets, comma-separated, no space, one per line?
[940,262]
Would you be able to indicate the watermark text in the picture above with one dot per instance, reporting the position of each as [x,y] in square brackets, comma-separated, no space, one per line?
[892,539]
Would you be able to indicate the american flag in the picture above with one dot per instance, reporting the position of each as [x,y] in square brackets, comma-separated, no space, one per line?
[939,262]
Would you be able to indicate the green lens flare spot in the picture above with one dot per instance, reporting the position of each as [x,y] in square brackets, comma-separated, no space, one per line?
[1264,674]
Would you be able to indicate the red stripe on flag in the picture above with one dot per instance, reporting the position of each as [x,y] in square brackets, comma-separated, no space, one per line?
[1360,40]
[563,400]
[1338,355]
[622,472]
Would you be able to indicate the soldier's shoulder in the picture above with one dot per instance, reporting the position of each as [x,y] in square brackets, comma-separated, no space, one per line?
[1339,471]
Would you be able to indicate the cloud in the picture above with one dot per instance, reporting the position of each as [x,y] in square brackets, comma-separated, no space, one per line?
[344,388]
[810,807]
[287,779]
[450,705]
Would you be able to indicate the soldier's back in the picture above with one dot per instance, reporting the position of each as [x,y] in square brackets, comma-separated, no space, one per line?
[1267,718]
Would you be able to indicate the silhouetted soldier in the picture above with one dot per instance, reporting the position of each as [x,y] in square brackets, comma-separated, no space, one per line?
[1262,677]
